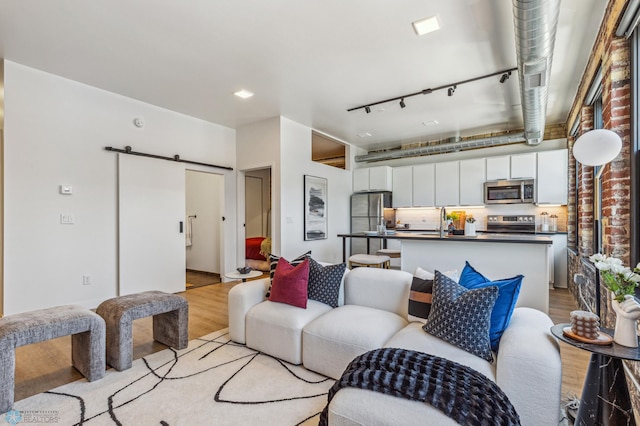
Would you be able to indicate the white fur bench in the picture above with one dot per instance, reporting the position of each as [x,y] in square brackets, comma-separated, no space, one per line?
[87,342]
[170,323]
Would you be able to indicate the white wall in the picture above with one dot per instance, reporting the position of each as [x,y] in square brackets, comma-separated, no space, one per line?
[55,133]
[296,160]
[203,200]
[285,146]
[258,147]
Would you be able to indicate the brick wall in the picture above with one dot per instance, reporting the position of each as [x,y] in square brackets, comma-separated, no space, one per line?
[612,54]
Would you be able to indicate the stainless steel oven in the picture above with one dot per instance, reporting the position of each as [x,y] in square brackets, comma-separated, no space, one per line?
[509,192]
[512,224]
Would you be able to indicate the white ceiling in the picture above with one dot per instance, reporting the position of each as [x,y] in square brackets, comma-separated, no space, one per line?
[307,60]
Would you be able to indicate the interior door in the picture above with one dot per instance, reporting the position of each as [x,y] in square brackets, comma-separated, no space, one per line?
[151,195]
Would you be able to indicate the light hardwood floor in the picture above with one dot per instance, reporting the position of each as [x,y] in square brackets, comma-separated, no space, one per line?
[44,366]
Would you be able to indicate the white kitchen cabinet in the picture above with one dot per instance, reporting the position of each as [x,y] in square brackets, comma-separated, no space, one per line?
[360,180]
[372,179]
[380,178]
[552,177]
[498,168]
[519,166]
[424,185]
[523,166]
[472,177]
[448,183]
[403,187]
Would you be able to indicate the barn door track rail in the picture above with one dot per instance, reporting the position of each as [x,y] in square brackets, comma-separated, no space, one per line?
[127,150]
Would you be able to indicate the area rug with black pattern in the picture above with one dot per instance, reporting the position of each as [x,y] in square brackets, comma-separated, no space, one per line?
[213,382]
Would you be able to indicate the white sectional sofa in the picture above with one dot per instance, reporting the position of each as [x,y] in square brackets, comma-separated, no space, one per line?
[372,313]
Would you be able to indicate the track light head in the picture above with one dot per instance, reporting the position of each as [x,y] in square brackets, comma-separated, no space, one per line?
[451,90]
[367,109]
[505,77]
[402,104]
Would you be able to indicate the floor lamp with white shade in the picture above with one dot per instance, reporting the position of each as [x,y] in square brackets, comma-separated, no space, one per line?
[597,148]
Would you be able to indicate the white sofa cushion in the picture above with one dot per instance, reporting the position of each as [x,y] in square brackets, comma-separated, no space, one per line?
[276,328]
[378,288]
[333,340]
[528,342]
[351,407]
[415,338]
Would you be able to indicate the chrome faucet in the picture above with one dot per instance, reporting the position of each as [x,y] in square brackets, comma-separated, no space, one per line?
[443,221]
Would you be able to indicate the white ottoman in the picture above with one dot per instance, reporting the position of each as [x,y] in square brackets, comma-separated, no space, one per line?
[333,340]
[276,328]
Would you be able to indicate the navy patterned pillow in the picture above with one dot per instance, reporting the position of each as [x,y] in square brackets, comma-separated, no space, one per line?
[324,282]
[462,317]
[273,262]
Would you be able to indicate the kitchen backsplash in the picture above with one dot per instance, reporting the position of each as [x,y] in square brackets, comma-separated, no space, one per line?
[429,218]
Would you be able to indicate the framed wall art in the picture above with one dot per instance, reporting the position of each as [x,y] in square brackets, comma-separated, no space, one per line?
[315,208]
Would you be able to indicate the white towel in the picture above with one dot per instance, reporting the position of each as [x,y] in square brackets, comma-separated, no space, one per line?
[188,235]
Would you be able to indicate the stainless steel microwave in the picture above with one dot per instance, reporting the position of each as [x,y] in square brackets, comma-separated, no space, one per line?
[509,192]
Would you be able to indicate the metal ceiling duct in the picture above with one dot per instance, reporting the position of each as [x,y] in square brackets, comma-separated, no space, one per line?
[442,148]
[535,23]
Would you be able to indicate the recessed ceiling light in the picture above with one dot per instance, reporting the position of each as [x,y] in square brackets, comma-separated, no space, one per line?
[426,25]
[244,94]
[364,135]
[430,123]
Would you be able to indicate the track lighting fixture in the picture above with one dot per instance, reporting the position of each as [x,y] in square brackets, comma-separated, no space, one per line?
[451,88]
[505,77]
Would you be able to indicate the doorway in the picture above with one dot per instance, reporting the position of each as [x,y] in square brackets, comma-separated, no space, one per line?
[257,218]
[204,194]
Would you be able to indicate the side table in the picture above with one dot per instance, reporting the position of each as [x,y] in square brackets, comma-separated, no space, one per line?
[235,275]
[605,397]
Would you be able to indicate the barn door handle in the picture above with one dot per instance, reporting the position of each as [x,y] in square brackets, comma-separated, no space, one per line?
[181,226]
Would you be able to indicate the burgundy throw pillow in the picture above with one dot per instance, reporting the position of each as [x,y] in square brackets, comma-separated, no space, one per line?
[290,283]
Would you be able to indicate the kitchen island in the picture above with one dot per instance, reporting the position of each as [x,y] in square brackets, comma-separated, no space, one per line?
[496,256]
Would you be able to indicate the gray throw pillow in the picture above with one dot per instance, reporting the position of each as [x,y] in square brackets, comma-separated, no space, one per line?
[324,282]
[462,317]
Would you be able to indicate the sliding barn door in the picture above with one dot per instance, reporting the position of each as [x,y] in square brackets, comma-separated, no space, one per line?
[151,196]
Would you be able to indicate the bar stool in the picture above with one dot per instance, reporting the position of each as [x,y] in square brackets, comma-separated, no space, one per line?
[392,253]
[370,261]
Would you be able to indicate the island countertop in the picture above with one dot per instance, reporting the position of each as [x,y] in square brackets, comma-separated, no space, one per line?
[496,256]
[431,236]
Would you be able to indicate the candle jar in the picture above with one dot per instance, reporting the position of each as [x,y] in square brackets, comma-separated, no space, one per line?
[544,222]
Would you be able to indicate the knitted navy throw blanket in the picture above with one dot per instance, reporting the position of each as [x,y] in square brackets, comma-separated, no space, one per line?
[460,392]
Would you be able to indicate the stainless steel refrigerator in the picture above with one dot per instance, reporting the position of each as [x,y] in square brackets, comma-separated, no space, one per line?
[368,210]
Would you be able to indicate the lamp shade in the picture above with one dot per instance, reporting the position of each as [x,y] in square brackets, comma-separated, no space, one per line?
[597,147]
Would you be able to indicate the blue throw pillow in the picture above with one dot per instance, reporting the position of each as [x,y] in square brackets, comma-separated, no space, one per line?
[507,297]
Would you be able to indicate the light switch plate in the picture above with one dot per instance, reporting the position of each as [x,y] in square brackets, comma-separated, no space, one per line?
[66,219]
[66,189]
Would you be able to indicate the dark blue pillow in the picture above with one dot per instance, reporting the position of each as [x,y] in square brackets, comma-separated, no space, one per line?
[509,289]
